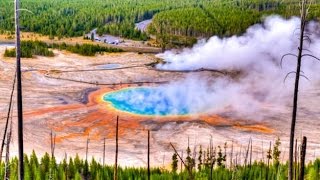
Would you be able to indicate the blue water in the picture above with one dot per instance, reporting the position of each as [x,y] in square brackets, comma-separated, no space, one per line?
[109,66]
[146,101]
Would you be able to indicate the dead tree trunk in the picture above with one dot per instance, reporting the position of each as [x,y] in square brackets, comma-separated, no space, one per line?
[236,161]
[295,159]
[7,166]
[296,87]
[181,167]
[86,172]
[240,155]
[8,117]
[87,148]
[66,168]
[247,154]
[262,152]
[115,176]
[52,146]
[148,154]
[303,157]
[268,162]
[213,161]
[231,156]
[19,91]
[163,159]
[250,154]
[104,151]
[53,143]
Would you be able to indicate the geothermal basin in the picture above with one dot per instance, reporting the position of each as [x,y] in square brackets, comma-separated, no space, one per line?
[62,95]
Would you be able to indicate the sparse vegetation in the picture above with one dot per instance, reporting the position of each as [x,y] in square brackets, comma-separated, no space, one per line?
[31,48]
[85,49]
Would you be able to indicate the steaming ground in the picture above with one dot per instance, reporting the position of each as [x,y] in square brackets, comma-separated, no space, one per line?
[260,93]
[257,55]
[55,98]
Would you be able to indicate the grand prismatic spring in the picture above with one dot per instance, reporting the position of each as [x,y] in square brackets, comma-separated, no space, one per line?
[146,101]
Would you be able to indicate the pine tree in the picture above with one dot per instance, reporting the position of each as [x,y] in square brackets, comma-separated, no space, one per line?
[94,167]
[276,152]
[221,158]
[200,159]
[45,163]
[38,175]
[207,161]
[77,176]
[174,164]
[86,169]
[78,163]
[71,169]
[34,159]
[190,162]
[53,168]
[269,154]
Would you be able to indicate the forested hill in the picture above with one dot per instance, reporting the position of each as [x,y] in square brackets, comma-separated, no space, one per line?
[179,20]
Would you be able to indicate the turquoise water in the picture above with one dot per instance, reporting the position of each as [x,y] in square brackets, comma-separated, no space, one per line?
[146,101]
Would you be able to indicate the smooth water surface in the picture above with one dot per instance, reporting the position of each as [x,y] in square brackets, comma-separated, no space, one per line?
[109,66]
[146,101]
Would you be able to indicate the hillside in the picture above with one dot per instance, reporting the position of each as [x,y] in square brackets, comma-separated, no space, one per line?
[178,22]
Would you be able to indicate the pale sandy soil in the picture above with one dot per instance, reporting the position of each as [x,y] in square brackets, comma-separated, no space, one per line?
[55,99]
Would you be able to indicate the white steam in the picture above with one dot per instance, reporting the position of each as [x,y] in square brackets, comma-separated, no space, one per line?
[257,55]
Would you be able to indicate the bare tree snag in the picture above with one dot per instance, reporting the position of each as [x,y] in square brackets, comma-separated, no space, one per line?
[87,148]
[8,116]
[231,155]
[115,176]
[303,157]
[247,154]
[19,91]
[7,166]
[148,154]
[296,87]
[104,151]
[295,159]
[268,161]
[53,143]
[250,162]
[181,165]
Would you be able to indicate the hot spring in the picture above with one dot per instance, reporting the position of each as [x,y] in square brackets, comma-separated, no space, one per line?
[151,101]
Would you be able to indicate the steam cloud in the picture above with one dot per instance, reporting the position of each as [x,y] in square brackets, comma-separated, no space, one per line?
[257,54]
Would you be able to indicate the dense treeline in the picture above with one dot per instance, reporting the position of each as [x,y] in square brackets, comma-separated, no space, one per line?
[84,49]
[31,48]
[222,18]
[47,168]
[201,163]
[118,17]
[203,22]
[125,29]
[74,18]
[174,25]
